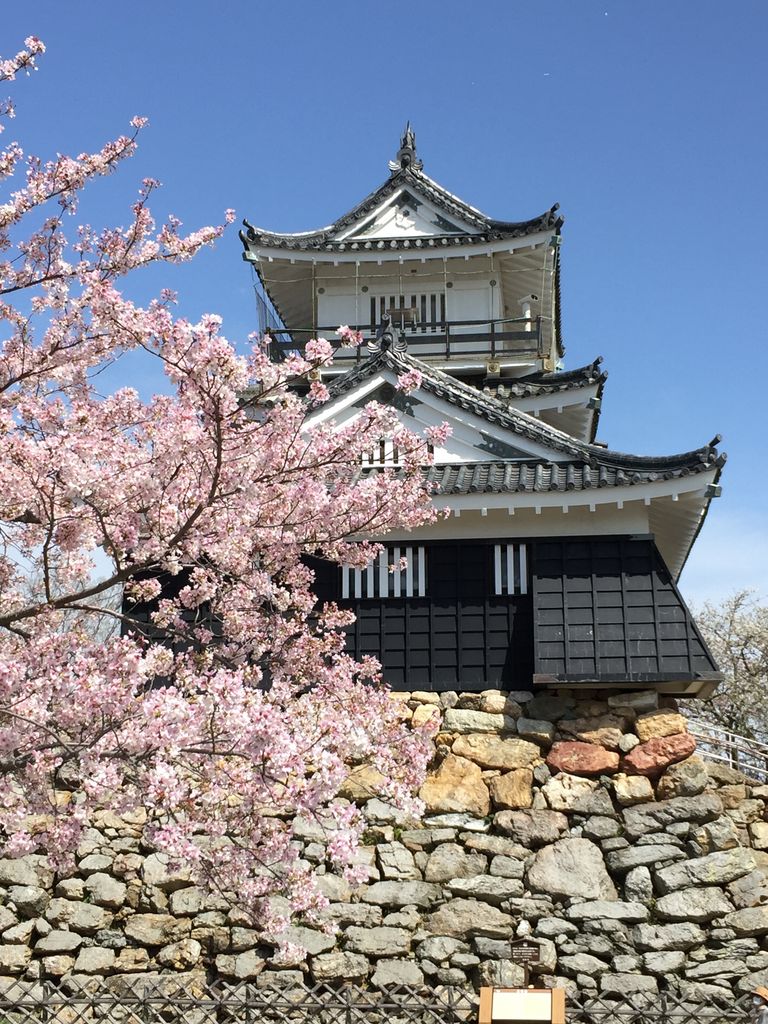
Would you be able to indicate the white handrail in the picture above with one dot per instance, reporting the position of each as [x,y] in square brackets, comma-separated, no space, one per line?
[746,755]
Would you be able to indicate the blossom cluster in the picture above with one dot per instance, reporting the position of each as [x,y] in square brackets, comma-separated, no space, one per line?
[199,512]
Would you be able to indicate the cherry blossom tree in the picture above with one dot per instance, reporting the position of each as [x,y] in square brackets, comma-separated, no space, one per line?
[736,631]
[204,504]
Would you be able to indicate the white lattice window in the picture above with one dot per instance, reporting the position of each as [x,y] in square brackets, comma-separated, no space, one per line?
[376,579]
[386,453]
[426,309]
[510,569]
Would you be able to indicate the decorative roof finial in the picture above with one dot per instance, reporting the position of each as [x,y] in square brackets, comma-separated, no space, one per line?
[406,155]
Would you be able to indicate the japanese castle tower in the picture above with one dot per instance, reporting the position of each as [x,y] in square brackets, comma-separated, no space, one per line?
[558,564]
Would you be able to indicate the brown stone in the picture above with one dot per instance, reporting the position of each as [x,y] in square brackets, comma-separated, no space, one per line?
[658,724]
[493,752]
[363,782]
[578,758]
[603,730]
[653,757]
[456,786]
[513,791]
[424,713]
[632,789]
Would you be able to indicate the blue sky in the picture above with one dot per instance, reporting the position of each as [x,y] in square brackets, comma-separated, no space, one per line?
[646,121]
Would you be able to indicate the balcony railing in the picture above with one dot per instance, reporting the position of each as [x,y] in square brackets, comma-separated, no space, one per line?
[439,339]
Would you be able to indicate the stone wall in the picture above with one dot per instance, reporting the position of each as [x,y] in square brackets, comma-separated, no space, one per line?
[589,825]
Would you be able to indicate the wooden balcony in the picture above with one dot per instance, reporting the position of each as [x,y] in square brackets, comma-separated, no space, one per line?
[442,340]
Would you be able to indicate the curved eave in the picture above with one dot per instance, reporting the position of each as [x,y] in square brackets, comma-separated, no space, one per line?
[549,383]
[537,477]
[326,238]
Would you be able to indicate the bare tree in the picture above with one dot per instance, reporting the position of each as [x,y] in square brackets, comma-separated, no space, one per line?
[737,633]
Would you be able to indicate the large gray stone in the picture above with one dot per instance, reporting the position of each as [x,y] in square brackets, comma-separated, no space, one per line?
[57,941]
[582,963]
[714,869]
[85,918]
[600,827]
[491,889]
[308,939]
[190,900]
[573,794]
[653,817]
[30,870]
[507,867]
[339,966]
[157,870]
[380,941]
[571,867]
[363,915]
[501,974]
[29,899]
[440,948]
[695,904]
[716,969]
[495,845]
[626,984]
[94,862]
[393,973]
[750,921]
[665,963]
[402,894]
[638,885]
[180,956]
[463,721]
[750,890]
[638,700]
[95,960]
[156,929]
[608,910]
[449,860]
[396,861]
[686,778]
[720,834]
[531,828]
[243,966]
[462,917]
[14,959]
[655,938]
[536,729]
[621,861]
[105,890]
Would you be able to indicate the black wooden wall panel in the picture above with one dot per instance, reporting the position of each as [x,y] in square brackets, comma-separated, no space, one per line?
[607,608]
[459,636]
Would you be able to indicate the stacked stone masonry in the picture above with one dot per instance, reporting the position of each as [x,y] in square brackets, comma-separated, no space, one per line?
[588,825]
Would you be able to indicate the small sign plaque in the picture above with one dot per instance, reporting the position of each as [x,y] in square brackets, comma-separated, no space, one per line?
[525,952]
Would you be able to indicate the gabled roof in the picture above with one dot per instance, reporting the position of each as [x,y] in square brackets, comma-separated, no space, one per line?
[408,178]
[620,468]
[459,394]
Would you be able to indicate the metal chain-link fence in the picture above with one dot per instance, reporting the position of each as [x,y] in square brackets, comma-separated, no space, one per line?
[170,1000]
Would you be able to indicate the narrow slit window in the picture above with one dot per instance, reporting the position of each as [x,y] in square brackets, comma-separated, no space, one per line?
[377,580]
[510,569]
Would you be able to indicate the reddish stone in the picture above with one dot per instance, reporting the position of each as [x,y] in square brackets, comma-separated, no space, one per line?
[581,759]
[653,757]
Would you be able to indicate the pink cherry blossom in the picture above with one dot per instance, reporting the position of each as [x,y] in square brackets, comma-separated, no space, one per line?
[249,715]
[409,381]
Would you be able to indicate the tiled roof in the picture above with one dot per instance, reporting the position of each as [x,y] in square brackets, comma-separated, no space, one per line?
[485,228]
[539,477]
[546,383]
[591,465]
